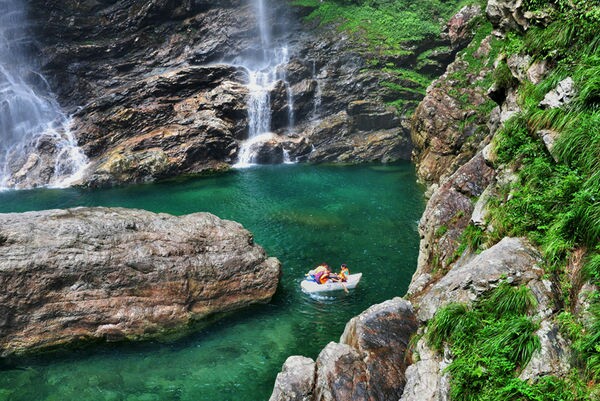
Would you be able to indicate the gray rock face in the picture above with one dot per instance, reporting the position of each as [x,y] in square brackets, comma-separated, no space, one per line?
[513,259]
[425,379]
[553,357]
[296,381]
[446,215]
[381,335]
[112,274]
[155,93]
[507,14]
[562,95]
[446,130]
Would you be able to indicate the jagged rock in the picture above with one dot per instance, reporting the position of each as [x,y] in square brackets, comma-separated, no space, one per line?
[537,71]
[549,137]
[269,152]
[349,145]
[519,66]
[554,356]
[446,215]
[458,28]
[296,381]
[507,14]
[510,106]
[110,274]
[512,259]
[369,116]
[381,335]
[367,364]
[443,130]
[426,379]
[187,120]
[341,374]
[479,217]
[562,95]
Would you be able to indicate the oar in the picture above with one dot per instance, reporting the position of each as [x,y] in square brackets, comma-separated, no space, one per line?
[344,287]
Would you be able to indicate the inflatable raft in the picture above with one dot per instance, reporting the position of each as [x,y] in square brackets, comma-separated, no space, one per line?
[310,286]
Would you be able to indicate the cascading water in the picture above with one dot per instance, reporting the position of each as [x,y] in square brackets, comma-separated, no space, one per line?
[36,146]
[263,74]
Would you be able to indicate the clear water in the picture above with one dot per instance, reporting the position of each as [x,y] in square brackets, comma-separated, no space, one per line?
[364,216]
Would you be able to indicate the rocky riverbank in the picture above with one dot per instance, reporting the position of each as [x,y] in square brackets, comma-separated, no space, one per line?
[110,274]
[465,252]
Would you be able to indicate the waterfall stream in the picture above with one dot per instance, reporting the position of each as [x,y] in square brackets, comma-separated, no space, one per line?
[36,145]
[263,74]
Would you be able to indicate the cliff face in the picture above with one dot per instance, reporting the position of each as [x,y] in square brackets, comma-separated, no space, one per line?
[99,274]
[461,130]
[156,89]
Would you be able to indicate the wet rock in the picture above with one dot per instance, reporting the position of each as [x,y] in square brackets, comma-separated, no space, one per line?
[269,152]
[369,116]
[111,274]
[296,381]
[184,121]
[367,364]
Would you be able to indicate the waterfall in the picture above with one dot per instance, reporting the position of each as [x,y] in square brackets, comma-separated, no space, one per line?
[262,71]
[36,145]
[316,112]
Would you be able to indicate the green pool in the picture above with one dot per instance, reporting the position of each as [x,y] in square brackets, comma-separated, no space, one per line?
[363,216]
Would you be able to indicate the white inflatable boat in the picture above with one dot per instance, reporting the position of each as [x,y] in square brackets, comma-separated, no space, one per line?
[310,286]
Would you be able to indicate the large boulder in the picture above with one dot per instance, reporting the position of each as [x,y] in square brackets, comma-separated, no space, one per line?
[110,274]
[296,381]
[512,259]
[367,364]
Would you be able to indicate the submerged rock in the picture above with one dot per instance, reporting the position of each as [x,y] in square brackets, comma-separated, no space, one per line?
[113,274]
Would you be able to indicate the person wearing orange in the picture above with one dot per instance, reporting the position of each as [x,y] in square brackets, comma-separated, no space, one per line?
[322,273]
[344,273]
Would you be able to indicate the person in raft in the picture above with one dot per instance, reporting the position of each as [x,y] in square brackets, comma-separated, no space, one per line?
[322,273]
[342,275]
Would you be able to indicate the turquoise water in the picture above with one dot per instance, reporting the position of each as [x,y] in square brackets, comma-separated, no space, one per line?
[365,216]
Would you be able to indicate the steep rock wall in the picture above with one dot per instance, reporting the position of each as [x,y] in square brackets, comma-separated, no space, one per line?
[155,90]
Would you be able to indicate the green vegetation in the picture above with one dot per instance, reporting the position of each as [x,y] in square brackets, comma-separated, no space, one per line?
[387,24]
[490,342]
[386,32]
[556,199]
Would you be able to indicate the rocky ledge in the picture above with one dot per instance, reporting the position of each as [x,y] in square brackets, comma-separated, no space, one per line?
[112,274]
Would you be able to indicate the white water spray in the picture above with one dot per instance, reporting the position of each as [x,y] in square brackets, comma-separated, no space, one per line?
[36,145]
[262,72]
